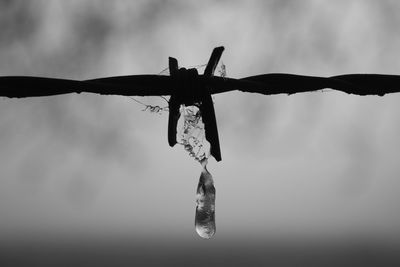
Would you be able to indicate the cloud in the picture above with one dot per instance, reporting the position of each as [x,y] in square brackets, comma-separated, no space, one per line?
[303,152]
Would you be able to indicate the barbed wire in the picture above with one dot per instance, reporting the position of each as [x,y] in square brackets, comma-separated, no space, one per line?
[186,86]
[157,85]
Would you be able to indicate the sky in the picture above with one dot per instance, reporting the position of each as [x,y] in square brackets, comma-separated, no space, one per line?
[311,166]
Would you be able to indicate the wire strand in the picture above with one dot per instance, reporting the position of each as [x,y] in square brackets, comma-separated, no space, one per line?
[137,101]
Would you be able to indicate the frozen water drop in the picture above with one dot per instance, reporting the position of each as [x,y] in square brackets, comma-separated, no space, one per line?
[205,200]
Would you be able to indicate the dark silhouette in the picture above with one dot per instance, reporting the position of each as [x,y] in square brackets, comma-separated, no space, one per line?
[186,86]
[189,92]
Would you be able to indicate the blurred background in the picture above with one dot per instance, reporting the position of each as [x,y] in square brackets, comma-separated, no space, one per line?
[308,179]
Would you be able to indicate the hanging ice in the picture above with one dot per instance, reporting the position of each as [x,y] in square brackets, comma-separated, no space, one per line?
[192,137]
[205,200]
[192,133]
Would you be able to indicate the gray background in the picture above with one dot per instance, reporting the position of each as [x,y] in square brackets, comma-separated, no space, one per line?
[300,171]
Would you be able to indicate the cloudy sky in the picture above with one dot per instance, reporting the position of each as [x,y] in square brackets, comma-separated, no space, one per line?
[320,165]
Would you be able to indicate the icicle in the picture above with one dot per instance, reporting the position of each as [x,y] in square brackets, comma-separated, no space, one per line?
[192,137]
[205,200]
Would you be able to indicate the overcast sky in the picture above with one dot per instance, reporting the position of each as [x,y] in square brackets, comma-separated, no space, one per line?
[312,164]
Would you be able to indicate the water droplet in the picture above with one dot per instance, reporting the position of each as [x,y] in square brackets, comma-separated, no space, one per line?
[205,201]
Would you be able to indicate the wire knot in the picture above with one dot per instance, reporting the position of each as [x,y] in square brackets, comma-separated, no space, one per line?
[187,86]
[191,90]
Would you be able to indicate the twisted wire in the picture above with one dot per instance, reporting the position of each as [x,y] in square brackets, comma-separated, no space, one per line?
[156,85]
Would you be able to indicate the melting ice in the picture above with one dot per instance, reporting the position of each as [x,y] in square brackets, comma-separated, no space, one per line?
[192,137]
[205,209]
[192,133]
